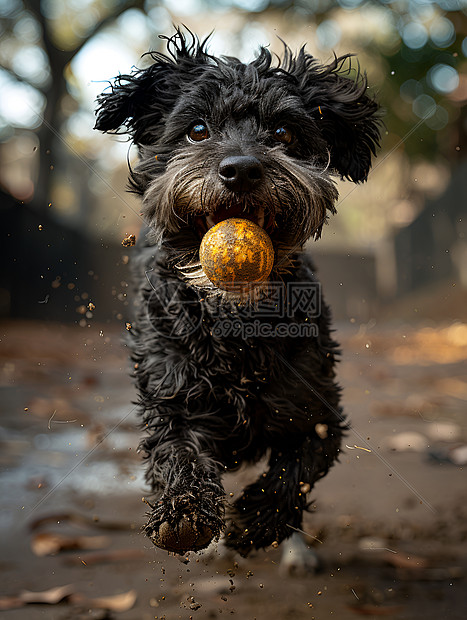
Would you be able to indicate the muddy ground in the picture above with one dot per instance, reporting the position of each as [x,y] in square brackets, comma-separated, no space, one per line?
[389,522]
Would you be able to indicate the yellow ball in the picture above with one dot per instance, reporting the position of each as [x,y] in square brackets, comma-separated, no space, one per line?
[235,252]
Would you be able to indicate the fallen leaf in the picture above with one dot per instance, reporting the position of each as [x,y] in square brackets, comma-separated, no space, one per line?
[51,596]
[48,597]
[117,602]
[408,441]
[443,431]
[47,543]
[459,455]
[10,602]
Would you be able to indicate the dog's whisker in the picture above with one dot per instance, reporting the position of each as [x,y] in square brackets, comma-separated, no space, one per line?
[328,162]
[178,216]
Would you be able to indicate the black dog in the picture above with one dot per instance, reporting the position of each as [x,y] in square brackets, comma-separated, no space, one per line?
[218,139]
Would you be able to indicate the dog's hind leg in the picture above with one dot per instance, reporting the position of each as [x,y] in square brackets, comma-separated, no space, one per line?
[298,559]
[271,508]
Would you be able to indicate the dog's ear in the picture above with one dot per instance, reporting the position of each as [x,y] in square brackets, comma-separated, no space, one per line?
[350,123]
[136,103]
[349,120]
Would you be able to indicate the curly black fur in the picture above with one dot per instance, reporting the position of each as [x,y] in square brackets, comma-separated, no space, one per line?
[212,402]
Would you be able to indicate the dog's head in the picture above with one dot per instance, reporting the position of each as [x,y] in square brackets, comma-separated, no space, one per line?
[219,139]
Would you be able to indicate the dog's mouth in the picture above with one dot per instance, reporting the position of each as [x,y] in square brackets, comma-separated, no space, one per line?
[267,216]
[205,221]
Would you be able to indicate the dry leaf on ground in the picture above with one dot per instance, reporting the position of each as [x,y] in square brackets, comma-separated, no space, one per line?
[48,597]
[53,596]
[47,543]
[117,602]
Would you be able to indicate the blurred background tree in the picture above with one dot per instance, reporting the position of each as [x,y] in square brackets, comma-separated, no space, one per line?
[56,56]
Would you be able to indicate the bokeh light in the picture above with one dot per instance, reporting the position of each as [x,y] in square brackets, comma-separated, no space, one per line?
[439,119]
[443,78]
[30,62]
[415,35]
[424,106]
[21,105]
[250,5]
[328,34]
[442,32]
[350,4]
[27,29]
[184,7]
[410,89]
[94,65]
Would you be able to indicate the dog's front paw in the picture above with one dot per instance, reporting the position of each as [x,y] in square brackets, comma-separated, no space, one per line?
[186,535]
[184,523]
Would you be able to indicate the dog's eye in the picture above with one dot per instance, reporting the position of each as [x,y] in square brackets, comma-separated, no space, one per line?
[198,132]
[284,134]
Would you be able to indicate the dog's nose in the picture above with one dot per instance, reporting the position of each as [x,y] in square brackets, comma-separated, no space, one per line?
[240,173]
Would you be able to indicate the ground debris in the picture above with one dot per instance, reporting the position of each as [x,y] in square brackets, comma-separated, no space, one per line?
[129,241]
[53,596]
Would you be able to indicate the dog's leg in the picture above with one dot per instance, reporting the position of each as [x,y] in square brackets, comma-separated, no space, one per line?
[177,410]
[271,508]
[297,558]
[189,507]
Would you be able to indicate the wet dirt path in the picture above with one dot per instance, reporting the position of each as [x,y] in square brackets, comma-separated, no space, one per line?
[389,523]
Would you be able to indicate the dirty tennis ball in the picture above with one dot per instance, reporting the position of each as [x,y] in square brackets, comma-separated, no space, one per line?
[235,252]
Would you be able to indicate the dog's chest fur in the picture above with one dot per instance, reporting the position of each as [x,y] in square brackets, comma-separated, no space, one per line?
[244,382]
